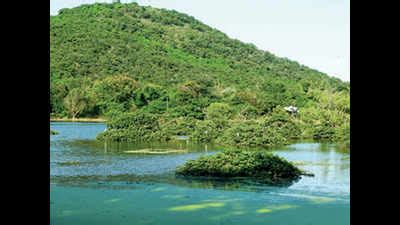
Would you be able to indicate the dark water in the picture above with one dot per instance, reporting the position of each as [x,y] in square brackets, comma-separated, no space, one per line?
[98,183]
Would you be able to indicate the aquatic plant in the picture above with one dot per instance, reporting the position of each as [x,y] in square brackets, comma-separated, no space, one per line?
[156,151]
[53,132]
[195,207]
[261,165]
[133,127]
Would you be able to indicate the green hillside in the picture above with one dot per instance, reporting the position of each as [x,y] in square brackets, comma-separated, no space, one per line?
[158,73]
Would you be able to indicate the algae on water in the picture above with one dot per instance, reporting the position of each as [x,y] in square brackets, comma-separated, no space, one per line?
[156,151]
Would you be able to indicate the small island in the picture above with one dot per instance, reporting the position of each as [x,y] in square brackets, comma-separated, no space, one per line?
[53,132]
[259,165]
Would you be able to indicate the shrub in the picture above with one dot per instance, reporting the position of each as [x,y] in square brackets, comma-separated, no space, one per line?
[179,126]
[249,112]
[133,135]
[261,165]
[284,123]
[251,134]
[205,131]
[219,113]
[114,92]
[136,126]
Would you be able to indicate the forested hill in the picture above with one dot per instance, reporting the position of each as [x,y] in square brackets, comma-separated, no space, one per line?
[112,58]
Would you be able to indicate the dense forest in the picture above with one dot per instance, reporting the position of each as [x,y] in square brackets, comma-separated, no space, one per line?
[156,74]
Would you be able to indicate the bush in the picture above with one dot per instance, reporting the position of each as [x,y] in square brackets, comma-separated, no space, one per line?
[329,124]
[133,135]
[219,113]
[261,165]
[249,112]
[115,92]
[132,127]
[179,126]
[251,134]
[284,123]
[205,131]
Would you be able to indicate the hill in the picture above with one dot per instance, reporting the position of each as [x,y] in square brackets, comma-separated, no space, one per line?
[170,74]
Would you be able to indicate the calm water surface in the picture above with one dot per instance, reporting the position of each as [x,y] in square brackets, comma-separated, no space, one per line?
[99,183]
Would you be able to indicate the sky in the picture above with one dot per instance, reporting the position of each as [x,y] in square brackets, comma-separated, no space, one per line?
[315,33]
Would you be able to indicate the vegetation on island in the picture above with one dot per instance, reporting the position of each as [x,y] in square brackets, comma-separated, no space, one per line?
[53,132]
[156,74]
[260,165]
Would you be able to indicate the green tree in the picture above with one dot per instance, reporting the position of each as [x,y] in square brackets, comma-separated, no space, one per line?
[127,58]
[219,113]
[75,102]
[115,92]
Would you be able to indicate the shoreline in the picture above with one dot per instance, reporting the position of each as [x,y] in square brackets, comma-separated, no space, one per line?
[95,120]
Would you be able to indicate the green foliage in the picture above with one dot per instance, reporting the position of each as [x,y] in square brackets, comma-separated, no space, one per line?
[219,113]
[136,126]
[134,120]
[115,93]
[328,117]
[75,102]
[179,126]
[156,73]
[236,163]
[342,134]
[248,112]
[285,124]
[205,131]
[251,133]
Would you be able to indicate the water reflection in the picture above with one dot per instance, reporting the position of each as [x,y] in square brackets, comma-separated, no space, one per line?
[128,181]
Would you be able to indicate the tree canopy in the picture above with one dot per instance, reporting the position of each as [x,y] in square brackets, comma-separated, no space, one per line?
[129,61]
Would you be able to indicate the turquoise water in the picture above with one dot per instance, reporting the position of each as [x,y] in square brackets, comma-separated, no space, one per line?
[99,183]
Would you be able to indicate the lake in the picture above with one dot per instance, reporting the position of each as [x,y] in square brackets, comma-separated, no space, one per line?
[102,183]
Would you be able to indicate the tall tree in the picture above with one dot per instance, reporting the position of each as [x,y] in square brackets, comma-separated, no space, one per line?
[75,102]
